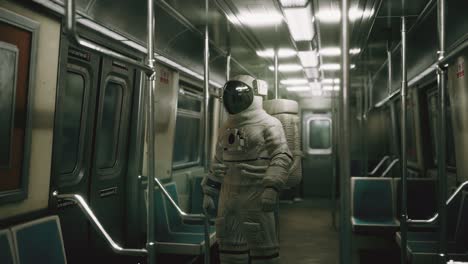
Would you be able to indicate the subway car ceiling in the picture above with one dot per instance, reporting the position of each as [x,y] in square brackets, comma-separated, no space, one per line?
[306,33]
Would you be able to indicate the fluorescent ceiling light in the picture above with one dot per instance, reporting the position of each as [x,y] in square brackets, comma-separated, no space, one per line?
[282,53]
[308,58]
[330,15]
[257,19]
[354,51]
[330,51]
[298,88]
[333,15]
[336,51]
[294,81]
[331,81]
[300,23]
[333,66]
[331,88]
[293,3]
[330,67]
[287,68]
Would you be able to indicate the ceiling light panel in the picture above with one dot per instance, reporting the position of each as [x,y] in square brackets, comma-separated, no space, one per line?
[294,81]
[336,51]
[331,81]
[334,66]
[257,18]
[333,15]
[287,68]
[282,53]
[308,58]
[294,3]
[330,51]
[300,23]
[298,88]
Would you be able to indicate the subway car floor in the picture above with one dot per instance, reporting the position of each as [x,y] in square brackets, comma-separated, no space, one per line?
[306,233]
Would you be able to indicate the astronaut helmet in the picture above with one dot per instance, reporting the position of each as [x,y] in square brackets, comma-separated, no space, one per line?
[239,93]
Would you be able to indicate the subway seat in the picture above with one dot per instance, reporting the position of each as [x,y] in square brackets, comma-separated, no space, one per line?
[423,247]
[173,236]
[7,251]
[39,241]
[373,205]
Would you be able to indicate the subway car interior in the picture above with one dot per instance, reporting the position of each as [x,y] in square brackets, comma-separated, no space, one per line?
[233,131]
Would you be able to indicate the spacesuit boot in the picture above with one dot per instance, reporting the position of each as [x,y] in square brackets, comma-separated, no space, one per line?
[250,167]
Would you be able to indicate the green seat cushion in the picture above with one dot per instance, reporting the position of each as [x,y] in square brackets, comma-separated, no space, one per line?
[40,241]
[6,248]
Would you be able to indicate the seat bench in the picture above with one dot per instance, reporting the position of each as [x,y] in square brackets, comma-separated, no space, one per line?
[37,241]
[173,235]
[373,206]
[423,247]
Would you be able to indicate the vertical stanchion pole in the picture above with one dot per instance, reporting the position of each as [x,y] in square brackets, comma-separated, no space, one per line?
[150,220]
[206,97]
[404,87]
[441,156]
[206,92]
[276,73]
[345,132]
[389,68]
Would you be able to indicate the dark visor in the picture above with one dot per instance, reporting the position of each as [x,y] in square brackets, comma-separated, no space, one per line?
[237,96]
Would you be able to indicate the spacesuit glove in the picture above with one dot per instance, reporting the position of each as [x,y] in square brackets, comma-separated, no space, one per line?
[208,203]
[269,199]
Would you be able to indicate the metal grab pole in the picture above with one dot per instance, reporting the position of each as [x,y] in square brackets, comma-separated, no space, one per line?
[389,67]
[276,73]
[345,132]
[206,92]
[404,87]
[441,156]
[151,230]
[206,97]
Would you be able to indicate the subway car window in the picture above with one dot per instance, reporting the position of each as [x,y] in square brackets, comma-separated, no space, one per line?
[16,50]
[108,146]
[411,147]
[71,129]
[187,141]
[432,101]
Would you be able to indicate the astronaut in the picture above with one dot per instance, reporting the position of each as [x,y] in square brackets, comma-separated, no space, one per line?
[249,169]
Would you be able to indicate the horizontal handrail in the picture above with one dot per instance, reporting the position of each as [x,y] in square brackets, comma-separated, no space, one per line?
[184,215]
[380,164]
[85,208]
[436,215]
[390,167]
[73,36]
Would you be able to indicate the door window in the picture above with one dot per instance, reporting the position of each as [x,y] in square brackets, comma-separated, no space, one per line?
[109,128]
[319,136]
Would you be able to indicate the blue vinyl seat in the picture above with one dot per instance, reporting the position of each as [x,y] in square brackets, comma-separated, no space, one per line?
[7,252]
[39,241]
[424,246]
[172,235]
[373,206]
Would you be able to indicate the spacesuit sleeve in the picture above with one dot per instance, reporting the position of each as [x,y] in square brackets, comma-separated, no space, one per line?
[211,184]
[277,172]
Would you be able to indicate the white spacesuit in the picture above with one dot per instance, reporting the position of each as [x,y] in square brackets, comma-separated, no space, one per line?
[250,167]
